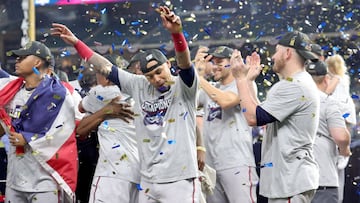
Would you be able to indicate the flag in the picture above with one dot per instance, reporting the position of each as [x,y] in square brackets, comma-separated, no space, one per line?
[47,122]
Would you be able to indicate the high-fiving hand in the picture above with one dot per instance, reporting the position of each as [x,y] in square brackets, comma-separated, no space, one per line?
[240,70]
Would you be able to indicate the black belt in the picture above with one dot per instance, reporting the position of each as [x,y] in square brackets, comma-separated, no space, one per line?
[326,187]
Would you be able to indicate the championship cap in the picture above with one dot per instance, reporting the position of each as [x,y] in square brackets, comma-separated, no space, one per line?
[152,55]
[222,52]
[316,49]
[300,42]
[318,68]
[137,57]
[34,48]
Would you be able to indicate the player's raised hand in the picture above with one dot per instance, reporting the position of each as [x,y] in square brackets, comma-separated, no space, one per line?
[170,21]
[238,68]
[64,33]
[201,60]
[253,61]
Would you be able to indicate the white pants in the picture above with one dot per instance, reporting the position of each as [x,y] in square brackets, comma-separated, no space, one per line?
[107,189]
[235,185]
[182,191]
[304,197]
[25,197]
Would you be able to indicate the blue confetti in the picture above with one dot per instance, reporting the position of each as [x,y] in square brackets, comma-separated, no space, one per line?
[354,96]
[113,46]
[118,33]
[80,76]
[186,113]
[322,25]
[348,16]
[270,164]
[126,41]
[346,115]
[277,16]
[161,153]
[135,23]
[290,28]
[59,126]
[225,17]
[116,146]
[121,51]
[138,187]
[100,97]
[207,30]
[186,34]
[171,141]
[243,110]
[36,71]
[106,124]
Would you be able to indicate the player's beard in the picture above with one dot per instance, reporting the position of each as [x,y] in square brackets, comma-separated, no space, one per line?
[279,65]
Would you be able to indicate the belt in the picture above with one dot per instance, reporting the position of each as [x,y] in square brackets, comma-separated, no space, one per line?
[326,187]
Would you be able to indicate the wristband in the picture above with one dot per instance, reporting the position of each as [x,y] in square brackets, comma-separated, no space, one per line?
[83,50]
[201,148]
[179,42]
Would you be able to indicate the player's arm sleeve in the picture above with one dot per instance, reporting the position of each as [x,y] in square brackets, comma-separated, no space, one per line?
[263,117]
[187,75]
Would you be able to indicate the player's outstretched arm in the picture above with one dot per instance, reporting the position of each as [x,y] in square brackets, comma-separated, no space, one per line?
[173,24]
[100,63]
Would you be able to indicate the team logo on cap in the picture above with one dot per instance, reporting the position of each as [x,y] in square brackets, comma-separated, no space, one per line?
[28,45]
[219,50]
[149,57]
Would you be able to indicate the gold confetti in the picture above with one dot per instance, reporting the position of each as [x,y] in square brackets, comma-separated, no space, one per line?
[289,79]
[34,137]
[170,82]
[171,120]
[57,96]
[124,157]
[49,137]
[146,140]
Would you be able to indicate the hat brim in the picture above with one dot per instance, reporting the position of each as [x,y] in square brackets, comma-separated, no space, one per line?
[20,52]
[307,54]
[218,55]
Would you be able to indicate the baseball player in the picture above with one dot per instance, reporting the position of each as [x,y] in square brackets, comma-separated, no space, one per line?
[37,112]
[291,110]
[117,170]
[227,136]
[332,137]
[165,114]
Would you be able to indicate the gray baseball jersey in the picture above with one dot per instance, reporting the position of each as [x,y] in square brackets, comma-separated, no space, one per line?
[118,153]
[165,127]
[227,136]
[287,154]
[325,149]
